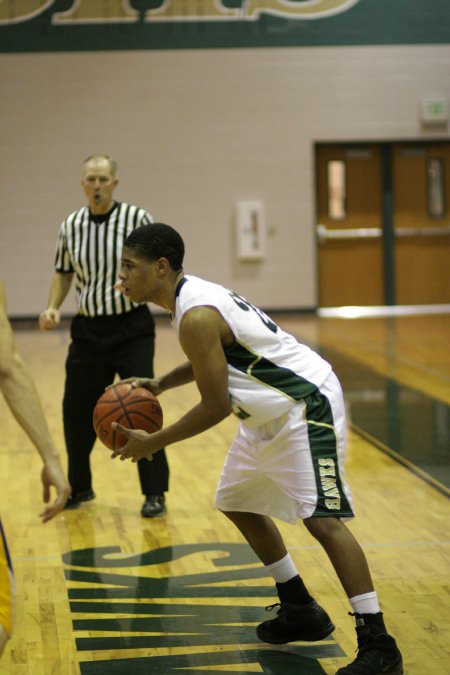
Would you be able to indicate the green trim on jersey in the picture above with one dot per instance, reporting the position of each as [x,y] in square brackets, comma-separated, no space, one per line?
[283,379]
[331,497]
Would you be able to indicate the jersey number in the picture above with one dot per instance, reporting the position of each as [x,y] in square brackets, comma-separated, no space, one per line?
[246,306]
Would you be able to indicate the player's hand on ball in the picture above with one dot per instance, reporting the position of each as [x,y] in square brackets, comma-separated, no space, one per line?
[138,445]
[151,384]
[134,408]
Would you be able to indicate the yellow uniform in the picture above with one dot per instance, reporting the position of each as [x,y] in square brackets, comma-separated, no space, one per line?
[6,586]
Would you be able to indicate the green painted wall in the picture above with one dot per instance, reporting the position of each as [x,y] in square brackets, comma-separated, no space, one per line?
[96,25]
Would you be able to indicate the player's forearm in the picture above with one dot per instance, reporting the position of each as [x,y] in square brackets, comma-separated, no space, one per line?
[200,418]
[59,289]
[177,377]
[22,398]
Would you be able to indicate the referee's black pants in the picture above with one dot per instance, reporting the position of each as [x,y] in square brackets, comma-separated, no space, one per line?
[102,347]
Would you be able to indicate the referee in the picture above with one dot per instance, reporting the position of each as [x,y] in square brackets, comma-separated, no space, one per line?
[109,334]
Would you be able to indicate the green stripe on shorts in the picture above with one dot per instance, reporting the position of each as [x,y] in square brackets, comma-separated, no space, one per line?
[331,498]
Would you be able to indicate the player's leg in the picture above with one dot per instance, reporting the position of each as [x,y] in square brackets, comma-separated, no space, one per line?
[346,555]
[245,495]
[261,533]
[378,652]
[299,616]
[135,358]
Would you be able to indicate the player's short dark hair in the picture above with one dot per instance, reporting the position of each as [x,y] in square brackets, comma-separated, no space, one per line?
[157,240]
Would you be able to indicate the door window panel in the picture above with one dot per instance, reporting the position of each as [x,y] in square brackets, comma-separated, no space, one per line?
[337,190]
[435,188]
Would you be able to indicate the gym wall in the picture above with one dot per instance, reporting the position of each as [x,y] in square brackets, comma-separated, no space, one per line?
[202,112]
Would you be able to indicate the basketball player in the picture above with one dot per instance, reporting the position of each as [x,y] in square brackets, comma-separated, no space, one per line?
[287,458]
[110,334]
[22,398]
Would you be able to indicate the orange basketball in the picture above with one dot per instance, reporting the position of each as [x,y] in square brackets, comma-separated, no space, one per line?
[132,407]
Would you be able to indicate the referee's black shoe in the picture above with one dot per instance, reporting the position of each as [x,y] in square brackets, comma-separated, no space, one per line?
[75,500]
[295,622]
[378,653]
[154,505]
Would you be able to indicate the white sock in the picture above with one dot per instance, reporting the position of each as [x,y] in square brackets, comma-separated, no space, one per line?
[283,569]
[365,604]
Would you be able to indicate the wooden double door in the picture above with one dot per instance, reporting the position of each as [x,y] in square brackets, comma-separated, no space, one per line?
[383,223]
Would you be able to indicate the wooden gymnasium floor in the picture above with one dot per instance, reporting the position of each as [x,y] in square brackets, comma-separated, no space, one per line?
[102,591]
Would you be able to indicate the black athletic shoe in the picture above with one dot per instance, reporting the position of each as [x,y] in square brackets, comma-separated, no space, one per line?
[378,654]
[154,505]
[75,500]
[295,622]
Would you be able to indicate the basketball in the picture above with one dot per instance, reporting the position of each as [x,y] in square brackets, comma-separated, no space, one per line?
[132,407]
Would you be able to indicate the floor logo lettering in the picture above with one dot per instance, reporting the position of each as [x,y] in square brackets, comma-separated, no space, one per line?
[163,613]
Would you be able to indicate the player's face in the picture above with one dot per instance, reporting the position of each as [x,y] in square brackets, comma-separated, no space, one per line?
[139,278]
[98,184]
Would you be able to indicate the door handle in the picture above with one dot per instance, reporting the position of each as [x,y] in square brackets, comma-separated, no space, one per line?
[436,231]
[324,233]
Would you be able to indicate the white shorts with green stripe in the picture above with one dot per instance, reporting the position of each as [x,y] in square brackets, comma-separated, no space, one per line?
[291,467]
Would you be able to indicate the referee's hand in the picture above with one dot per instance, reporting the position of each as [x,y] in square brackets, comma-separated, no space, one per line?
[49,319]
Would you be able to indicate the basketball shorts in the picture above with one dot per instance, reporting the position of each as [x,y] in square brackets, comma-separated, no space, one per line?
[292,467]
[6,586]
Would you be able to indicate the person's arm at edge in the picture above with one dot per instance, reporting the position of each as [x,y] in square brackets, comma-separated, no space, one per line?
[23,400]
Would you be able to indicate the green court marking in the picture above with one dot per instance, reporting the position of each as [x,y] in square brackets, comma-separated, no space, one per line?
[187,626]
[296,661]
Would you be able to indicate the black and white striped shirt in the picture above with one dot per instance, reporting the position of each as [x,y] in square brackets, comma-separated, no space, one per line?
[92,250]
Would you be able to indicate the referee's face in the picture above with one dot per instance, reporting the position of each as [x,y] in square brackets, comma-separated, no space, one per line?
[98,183]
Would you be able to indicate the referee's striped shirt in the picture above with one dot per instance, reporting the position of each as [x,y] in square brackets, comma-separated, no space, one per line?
[92,249]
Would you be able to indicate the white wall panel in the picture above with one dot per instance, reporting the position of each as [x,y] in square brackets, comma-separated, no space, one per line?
[194,132]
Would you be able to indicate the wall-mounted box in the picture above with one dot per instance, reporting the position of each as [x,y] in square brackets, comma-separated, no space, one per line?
[434,110]
[250,230]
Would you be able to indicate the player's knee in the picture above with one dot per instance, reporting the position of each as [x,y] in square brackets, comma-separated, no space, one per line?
[232,515]
[323,529]
[243,520]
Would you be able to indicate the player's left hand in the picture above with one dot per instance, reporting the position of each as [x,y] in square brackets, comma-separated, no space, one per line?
[140,444]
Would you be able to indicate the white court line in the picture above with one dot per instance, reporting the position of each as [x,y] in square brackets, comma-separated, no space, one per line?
[408,544]
[357,312]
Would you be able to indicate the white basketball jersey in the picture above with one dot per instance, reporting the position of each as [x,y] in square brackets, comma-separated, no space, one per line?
[268,370]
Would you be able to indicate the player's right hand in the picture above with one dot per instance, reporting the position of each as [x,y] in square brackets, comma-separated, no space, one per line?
[138,445]
[53,476]
[49,319]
